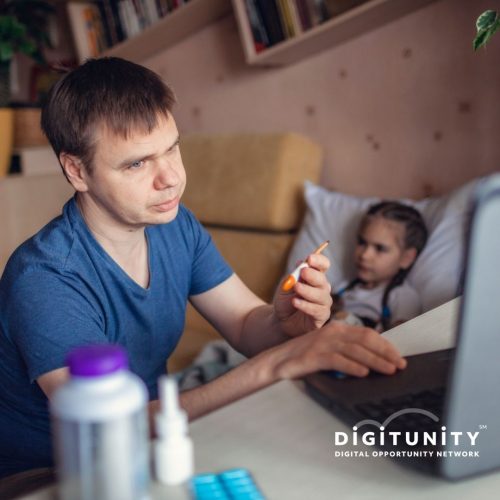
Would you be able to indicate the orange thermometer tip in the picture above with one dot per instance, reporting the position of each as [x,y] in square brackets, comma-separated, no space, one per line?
[292,278]
[288,283]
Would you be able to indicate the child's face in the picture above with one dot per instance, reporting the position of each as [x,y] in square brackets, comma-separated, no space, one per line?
[380,251]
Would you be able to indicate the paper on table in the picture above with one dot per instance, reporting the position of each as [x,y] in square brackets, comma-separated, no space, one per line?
[432,331]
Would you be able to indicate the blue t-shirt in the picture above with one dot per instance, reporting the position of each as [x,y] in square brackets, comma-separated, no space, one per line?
[61,290]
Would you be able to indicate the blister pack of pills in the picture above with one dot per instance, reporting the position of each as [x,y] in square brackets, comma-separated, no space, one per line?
[232,484]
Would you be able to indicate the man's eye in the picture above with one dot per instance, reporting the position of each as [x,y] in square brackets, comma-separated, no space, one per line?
[361,241]
[175,147]
[136,164]
[381,248]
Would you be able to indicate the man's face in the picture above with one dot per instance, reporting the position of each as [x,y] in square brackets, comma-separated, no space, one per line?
[137,181]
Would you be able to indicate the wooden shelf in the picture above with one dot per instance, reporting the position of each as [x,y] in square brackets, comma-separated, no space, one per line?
[350,24]
[171,29]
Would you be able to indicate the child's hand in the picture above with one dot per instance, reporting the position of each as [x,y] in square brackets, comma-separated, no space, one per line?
[347,317]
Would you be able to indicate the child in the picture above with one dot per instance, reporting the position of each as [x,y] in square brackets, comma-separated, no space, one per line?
[391,235]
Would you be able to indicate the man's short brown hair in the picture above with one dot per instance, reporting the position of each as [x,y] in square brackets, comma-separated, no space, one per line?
[110,92]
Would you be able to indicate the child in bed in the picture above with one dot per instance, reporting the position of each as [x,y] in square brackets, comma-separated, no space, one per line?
[391,235]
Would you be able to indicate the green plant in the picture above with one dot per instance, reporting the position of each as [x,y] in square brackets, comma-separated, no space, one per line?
[23,29]
[487,25]
[13,38]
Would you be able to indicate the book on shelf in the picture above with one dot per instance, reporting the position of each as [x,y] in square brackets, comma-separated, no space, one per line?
[315,10]
[111,19]
[87,28]
[271,18]
[99,24]
[304,14]
[36,160]
[129,18]
[295,18]
[259,33]
[285,18]
[273,21]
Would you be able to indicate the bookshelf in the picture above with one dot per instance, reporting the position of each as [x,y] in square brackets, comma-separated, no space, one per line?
[352,23]
[170,29]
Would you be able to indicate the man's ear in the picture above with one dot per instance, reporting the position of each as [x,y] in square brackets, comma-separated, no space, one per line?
[408,257]
[75,171]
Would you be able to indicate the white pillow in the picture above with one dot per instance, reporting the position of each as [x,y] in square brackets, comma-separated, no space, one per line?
[437,272]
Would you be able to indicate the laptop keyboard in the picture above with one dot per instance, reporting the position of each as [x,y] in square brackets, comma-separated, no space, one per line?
[430,400]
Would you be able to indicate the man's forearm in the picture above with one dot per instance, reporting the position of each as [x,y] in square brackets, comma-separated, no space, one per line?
[241,381]
[245,379]
[261,330]
[352,350]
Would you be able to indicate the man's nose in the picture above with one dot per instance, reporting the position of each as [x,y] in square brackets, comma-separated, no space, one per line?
[166,175]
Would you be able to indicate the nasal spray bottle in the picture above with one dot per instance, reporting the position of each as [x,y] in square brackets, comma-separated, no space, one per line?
[173,448]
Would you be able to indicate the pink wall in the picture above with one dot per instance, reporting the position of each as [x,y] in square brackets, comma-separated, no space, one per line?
[405,110]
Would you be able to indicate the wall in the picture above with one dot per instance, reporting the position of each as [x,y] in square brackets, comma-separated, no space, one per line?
[405,110]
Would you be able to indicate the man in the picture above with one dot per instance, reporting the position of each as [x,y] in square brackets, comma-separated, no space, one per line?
[120,263]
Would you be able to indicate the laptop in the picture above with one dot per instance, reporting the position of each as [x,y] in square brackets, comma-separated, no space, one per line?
[440,415]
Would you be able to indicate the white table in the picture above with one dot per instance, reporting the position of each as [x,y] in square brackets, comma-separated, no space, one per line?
[287,441]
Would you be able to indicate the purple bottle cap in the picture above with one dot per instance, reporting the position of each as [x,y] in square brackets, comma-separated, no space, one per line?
[96,360]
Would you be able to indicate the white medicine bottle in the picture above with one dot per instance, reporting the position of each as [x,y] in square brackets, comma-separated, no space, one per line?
[173,448]
[100,428]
